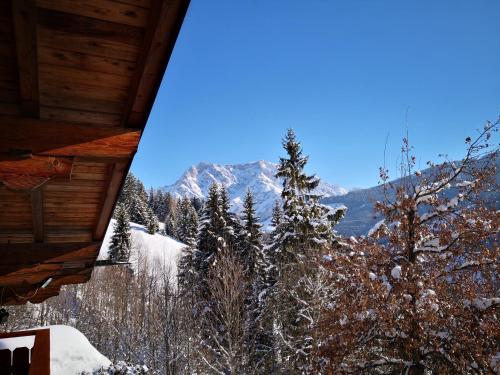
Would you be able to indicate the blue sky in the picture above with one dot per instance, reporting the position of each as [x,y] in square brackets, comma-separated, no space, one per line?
[343,74]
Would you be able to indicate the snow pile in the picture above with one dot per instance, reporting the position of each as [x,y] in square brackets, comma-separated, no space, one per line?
[158,249]
[71,352]
[238,178]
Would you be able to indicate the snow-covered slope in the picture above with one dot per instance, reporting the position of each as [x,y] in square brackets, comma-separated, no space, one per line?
[237,178]
[71,352]
[158,249]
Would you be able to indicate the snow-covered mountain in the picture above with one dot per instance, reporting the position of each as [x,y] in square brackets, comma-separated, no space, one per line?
[237,178]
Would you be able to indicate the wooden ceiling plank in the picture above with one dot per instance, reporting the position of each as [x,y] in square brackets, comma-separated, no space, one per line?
[83,43]
[74,75]
[24,15]
[85,62]
[100,9]
[72,115]
[86,91]
[120,34]
[37,209]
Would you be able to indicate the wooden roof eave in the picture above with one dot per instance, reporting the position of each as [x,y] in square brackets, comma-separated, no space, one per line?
[56,158]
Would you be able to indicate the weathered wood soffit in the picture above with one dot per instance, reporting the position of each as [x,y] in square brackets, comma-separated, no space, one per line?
[77,83]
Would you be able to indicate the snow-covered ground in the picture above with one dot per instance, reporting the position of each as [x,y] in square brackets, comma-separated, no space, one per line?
[156,248]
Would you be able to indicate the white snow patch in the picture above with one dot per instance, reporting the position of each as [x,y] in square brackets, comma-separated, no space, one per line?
[396,272]
[376,227]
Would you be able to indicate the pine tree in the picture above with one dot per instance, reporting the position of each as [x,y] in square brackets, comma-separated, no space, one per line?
[134,199]
[250,244]
[152,225]
[187,222]
[210,239]
[119,250]
[170,228]
[230,223]
[305,228]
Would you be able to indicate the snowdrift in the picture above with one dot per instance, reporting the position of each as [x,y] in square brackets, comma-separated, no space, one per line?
[71,352]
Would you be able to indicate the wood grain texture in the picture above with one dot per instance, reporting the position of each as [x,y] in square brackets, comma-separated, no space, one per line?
[54,138]
[24,16]
[127,14]
[165,23]
[77,82]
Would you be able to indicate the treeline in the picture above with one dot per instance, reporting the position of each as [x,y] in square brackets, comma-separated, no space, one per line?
[418,295]
[179,215]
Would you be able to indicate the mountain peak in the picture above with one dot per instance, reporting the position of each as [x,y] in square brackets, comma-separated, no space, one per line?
[259,176]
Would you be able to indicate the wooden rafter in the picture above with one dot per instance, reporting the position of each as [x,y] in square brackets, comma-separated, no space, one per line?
[165,23]
[51,138]
[32,172]
[118,171]
[24,16]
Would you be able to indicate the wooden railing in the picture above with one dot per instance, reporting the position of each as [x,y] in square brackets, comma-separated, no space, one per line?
[23,360]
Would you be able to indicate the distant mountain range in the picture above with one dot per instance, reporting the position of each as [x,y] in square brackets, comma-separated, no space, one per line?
[238,178]
[259,176]
[360,216]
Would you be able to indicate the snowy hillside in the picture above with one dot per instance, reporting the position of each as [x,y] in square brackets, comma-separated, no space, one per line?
[237,178]
[156,248]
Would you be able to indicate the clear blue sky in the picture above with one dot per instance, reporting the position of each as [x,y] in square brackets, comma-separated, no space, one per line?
[341,73]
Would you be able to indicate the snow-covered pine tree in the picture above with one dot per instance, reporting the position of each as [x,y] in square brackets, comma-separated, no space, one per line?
[187,225]
[119,250]
[197,204]
[250,243]
[255,266]
[231,226]
[152,225]
[134,199]
[170,228]
[277,215]
[210,235]
[305,229]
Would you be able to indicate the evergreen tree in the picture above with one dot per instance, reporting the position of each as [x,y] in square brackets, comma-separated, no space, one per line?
[187,226]
[134,199]
[197,204]
[305,228]
[210,235]
[250,244]
[230,224]
[119,250]
[152,225]
[171,224]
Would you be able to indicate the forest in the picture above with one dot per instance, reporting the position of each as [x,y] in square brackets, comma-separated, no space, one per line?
[418,294]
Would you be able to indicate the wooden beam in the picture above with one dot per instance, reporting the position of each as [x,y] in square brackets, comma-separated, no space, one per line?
[36,196]
[118,173]
[21,136]
[24,16]
[30,173]
[36,253]
[165,23]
